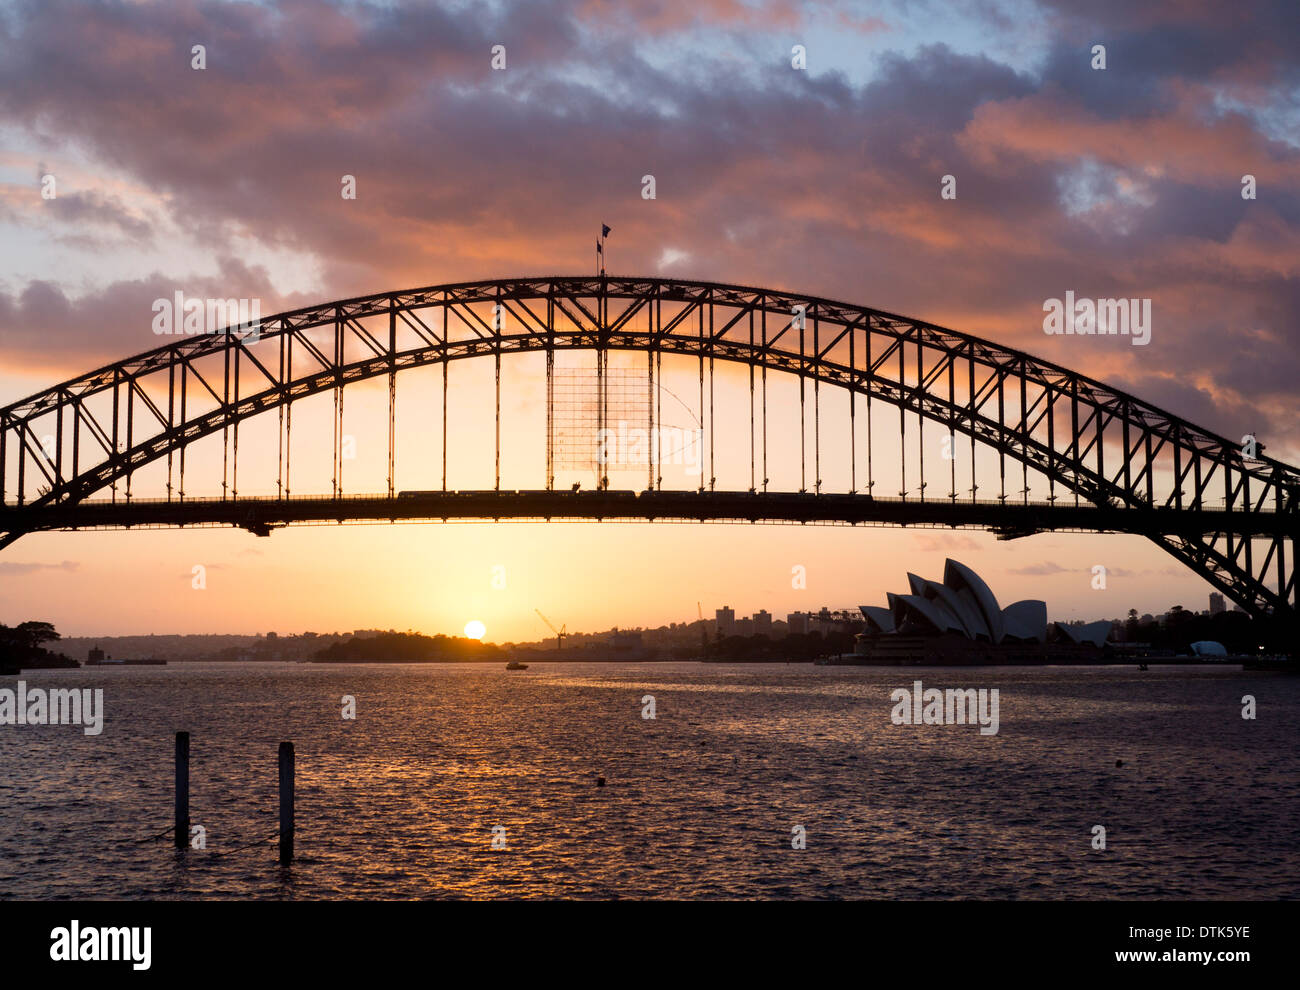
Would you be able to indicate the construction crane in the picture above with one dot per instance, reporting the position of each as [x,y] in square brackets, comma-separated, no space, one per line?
[559,633]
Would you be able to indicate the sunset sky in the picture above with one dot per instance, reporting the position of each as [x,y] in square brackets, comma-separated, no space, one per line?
[225,182]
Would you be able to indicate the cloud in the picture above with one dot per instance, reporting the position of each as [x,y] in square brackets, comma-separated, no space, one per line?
[1050,567]
[1044,569]
[672,256]
[17,569]
[944,543]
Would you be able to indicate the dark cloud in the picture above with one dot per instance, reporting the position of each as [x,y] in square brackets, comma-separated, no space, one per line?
[42,324]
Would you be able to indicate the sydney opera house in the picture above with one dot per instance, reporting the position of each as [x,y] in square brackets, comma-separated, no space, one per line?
[958,621]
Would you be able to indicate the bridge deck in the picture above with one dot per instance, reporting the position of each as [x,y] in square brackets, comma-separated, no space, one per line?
[1008,519]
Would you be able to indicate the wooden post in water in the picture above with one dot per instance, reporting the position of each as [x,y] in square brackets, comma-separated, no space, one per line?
[286,803]
[182,823]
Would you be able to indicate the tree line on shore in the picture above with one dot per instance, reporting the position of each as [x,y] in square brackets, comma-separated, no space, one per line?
[396,647]
[22,647]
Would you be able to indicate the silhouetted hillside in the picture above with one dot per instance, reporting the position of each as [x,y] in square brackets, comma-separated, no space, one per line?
[395,647]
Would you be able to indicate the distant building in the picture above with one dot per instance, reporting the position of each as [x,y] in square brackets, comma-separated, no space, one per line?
[797,623]
[744,627]
[1217,604]
[763,623]
[963,604]
[628,640]
[958,621]
[726,621]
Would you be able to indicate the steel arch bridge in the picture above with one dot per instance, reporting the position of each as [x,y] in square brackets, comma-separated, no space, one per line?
[1109,461]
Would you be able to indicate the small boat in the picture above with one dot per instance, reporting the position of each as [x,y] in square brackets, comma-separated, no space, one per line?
[516,665]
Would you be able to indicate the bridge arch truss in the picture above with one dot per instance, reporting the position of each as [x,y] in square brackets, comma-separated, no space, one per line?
[1231,518]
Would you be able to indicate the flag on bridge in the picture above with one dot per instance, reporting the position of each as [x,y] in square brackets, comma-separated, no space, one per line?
[600,249]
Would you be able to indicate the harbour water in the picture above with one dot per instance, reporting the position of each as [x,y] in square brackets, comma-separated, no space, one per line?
[701,801]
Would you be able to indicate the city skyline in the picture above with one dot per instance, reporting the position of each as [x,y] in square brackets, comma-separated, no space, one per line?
[740,625]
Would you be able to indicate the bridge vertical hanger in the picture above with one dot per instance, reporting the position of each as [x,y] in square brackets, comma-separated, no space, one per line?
[550,390]
[712,469]
[700,323]
[225,427]
[171,424]
[130,433]
[184,389]
[651,440]
[659,401]
[446,304]
[1002,423]
[657,324]
[853,417]
[1128,450]
[602,364]
[58,453]
[288,414]
[871,438]
[232,344]
[763,319]
[392,394]
[902,421]
[1101,443]
[1024,429]
[952,425]
[602,385]
[337,449]
[282,379]
[498,328]
[117,447]
[1074,441]
[751,401]
[974,414]
[1245,490]
[76,432]
[920,419]
[1178,466]
[1052,396]
[804,433]
[817,403]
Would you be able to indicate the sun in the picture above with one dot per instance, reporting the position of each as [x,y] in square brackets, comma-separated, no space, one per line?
[475,629]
